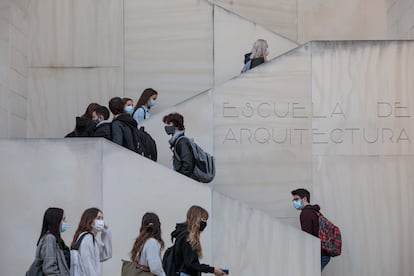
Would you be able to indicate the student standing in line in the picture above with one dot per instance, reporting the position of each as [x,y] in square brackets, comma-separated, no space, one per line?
[91,251]
[144,104]
[187,244]
[146,251]
[309,219]
[103,126]
[52,252]
[128,106]
[85,124]
[183,158]
[257,56]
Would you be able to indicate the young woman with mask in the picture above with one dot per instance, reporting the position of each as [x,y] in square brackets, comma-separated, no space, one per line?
[146,251]
[187,244]
[128,106]
[51,252]
[91,251]
[144,104]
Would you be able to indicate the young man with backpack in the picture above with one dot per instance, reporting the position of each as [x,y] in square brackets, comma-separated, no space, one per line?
[312,222]
[183,159]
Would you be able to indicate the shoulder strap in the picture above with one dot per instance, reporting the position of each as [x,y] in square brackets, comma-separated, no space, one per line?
[78,242]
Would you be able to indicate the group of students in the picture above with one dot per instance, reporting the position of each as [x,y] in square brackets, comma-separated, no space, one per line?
[95,121]
[53,256]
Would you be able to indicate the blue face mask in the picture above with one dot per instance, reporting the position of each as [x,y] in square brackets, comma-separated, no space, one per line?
[151,103]
[297,204]
[63,227]
[129,109]
[169,130]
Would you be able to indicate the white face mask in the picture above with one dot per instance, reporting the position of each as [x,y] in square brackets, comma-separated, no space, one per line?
[99,225]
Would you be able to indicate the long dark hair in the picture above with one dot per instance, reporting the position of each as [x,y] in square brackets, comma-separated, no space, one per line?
[145,96]
[90,109]
[150,228]
[51,224]
[85,223]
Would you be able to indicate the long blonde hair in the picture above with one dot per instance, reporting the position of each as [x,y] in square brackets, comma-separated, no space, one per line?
[259,49]
[194,216]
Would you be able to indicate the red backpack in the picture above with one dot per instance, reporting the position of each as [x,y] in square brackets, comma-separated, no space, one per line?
[330,236]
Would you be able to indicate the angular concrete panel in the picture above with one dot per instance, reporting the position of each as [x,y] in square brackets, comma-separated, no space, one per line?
[57,96]
[262,125]
[229,55]
[75,33]
[37,174]
[169,47]
[369,198]
[362,98]
[280,16]
[260,245]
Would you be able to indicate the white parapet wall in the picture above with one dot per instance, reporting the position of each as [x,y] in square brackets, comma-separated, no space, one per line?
[76,174]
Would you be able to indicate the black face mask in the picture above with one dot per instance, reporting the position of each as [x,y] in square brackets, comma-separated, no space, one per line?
[203,225]
[169,130]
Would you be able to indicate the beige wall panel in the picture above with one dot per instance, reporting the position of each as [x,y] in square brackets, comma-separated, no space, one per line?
[370,199]
[362,94]
[198,122]
[79,33]
[280,16]
[260,125]
[53,173]
[258,244]
[57,96]
[169,47]
[4,122]
[339,20]
[400,18]
[148,187]
[230,46]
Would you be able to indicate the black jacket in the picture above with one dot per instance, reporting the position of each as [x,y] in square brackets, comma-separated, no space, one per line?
[123,131]
[254,62]
[186,259]
[183,159]
[103,129]
[84,128]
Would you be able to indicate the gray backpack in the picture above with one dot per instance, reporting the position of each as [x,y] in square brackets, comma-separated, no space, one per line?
[204,169]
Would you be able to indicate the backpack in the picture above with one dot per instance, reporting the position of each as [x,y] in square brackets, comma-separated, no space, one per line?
[330,236]
[144,143]
[76,267]
[168,260]
[204,169]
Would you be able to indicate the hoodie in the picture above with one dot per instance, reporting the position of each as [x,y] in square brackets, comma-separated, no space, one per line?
[186,259]
[84,128]
[309,221]
[123,131]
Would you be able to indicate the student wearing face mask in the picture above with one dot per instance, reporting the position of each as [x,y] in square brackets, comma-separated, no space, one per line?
[92,252]
[52,254]
[144,104]
[257,56]
[187,245]
[128,106]
[183,158]
[309,219]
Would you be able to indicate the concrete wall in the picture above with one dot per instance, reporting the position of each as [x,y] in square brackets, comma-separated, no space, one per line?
[13,68]
[335,118]
[400,18]
[76,174]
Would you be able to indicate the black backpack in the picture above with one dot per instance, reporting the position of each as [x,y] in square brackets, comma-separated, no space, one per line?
[144,143]
[168,260]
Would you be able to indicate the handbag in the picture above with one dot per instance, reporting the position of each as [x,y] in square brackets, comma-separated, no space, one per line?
[129,269]
[36,268]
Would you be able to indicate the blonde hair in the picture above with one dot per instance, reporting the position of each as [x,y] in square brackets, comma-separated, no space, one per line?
[259,49]
[194,216]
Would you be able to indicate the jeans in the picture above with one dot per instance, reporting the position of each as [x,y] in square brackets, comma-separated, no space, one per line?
[324,261]
[183,274]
